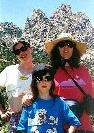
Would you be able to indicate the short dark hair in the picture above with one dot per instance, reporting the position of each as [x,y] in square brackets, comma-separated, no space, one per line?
[41,70]
[20,41]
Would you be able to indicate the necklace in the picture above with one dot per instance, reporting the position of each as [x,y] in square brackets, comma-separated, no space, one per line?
[25,77]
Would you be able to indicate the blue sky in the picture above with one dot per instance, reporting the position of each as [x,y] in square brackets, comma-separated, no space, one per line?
[17,11]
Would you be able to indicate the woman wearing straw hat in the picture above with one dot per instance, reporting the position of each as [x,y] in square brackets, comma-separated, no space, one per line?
[65,53]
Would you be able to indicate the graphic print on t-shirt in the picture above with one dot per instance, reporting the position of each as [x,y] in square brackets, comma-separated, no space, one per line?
[41,118]
[70,83]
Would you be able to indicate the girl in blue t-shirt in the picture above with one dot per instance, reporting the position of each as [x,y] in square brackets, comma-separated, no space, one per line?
[47,113]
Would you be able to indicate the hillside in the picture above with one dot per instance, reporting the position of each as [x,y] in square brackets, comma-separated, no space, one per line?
[39,28]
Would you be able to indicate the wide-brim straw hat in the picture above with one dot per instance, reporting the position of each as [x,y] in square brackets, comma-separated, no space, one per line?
[81,46]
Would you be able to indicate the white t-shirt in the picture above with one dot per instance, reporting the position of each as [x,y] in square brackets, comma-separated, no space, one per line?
[16,84]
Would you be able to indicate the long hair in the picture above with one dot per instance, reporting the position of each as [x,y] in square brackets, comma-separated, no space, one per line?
[57,61]
[34,88]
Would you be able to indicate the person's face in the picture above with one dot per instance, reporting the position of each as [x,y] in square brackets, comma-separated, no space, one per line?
[44,83]
[66,50]
[22,52]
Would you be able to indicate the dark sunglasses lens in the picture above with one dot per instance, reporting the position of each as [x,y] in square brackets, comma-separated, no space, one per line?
[38,78]
[16,52]
[61,45]
[23,48]
[48,78]
[66,43]
[70,45]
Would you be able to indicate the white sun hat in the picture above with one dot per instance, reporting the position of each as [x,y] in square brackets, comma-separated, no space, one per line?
[81,46]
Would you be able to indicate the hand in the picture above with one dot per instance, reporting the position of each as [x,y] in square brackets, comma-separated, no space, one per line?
[27,99]
[6,115]
[72,129]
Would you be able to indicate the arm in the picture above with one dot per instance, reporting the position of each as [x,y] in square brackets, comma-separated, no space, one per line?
[68,118]
[23,122]
[88,79]
[1,111]
[3,77]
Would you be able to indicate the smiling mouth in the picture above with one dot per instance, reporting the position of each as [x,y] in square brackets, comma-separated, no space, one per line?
[23,56]
[44,86]
[65,51]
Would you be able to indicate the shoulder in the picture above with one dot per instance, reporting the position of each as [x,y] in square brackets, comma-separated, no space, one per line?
[12,67]
[9,68]
[59,99]
[82,67]
[26,109]
[61,104]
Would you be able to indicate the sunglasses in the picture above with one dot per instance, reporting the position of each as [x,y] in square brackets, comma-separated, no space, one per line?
[41,78]
[17,51]
[68,43]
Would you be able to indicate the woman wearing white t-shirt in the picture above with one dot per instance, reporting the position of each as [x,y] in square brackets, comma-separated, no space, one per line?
[17,79]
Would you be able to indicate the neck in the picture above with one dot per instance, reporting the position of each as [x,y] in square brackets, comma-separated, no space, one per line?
[26,67]
[67,64]
[45,96]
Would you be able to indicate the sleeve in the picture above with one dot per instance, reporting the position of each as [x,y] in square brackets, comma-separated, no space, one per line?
[68,116]
[93,89]
[3,77]
[23,122]
[88,88]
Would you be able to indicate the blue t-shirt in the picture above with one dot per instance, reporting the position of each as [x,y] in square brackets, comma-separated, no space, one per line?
[47,116]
